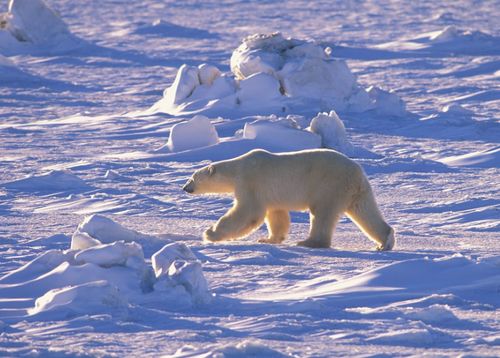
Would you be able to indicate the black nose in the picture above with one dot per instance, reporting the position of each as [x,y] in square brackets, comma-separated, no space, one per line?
[188,188]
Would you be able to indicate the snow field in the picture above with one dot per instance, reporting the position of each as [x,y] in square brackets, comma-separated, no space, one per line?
[412,96]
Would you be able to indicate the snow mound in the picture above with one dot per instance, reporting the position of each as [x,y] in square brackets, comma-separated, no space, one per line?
[34,23]
[303,69]
[104,278]
[246,348]
[98,229]
[163,259]
[53,181]
[453,114]
[280,135]
[387,103]
[332,131]
[451,34]
[97,296]
[196,133]
[272,74]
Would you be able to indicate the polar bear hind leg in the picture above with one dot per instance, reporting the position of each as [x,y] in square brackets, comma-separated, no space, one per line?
[278,225]
[366,215]
[239,221]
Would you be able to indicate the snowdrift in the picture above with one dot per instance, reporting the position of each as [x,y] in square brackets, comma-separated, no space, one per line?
[53,181]
[104,272]
[449,40]
[273,74]
[403,280]
[32,26]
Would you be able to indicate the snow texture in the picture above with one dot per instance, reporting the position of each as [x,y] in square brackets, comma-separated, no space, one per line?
[101,251]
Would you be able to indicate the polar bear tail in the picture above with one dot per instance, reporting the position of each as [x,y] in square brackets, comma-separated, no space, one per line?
[366,215]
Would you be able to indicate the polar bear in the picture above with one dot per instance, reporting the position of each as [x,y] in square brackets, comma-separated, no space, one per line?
[266,186]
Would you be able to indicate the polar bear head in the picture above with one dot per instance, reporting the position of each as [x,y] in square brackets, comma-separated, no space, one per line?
[209,180]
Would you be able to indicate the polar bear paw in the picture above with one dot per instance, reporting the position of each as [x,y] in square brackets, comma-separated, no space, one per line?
[211,236]
[272,240]
[389,242]
[315,244]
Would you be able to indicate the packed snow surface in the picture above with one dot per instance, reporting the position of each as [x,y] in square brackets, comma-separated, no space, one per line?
[107,110]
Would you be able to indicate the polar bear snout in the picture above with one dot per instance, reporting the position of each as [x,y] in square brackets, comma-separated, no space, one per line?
[189,186]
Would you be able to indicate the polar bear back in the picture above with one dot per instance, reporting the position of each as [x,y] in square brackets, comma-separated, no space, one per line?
[298,180]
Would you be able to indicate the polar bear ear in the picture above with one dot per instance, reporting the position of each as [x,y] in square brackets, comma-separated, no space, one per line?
[211,170]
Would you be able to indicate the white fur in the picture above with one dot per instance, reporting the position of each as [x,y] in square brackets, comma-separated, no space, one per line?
[267,186]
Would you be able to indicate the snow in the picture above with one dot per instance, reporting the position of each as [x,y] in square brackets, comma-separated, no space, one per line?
[118,253]
[53,181]
[386,103]
[103,278]
[103,230]
[280,135]
[101,251]
[195,133]
[332,131]
[33,23]
[271,74]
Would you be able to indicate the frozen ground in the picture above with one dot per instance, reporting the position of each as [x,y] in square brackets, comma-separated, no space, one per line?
[78,137]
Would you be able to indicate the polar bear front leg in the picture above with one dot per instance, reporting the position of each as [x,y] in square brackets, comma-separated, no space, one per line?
[239,221]
[278,224]
[322,227]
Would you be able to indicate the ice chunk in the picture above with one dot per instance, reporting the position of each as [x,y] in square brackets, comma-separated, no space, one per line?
[280,135]
[307,77]
[259,87]
[261,53]
[195,133]
[106,230]
[208,74]
[387,103]
[163,258]
[91,297]
[82,240]
[34,21]
[186,80]
[332,131]
[118,253]
[190,275]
